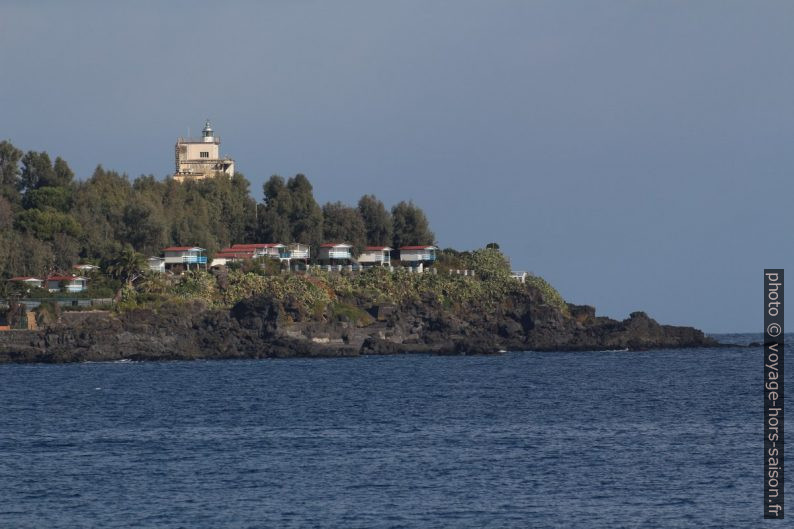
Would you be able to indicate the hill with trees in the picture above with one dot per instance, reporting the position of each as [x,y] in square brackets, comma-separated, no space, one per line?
[49,220]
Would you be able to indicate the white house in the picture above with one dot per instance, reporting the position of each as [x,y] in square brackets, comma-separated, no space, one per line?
[86,267]
[334,252]
[375,256]
[185,256]
[32,282]
[271,249]
[414,255]
[298,251]
[71,284]
[156,264]
[519,276]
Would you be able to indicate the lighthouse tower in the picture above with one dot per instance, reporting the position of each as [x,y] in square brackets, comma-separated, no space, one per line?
[199,158]
[207,133]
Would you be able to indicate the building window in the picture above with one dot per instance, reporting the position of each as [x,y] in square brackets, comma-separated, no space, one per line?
[205,154]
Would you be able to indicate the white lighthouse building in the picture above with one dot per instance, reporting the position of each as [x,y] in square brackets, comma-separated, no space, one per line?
[199,158]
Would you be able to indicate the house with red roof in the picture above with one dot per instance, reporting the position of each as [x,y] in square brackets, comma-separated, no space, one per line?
[229,255]
[28,281]
[241,252]
[269,249]
[333,253]
[375,256]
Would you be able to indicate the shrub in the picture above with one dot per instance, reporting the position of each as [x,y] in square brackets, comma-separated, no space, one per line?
[549,293]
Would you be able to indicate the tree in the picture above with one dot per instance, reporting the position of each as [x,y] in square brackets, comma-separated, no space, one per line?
[377,221]
[240,210]
[9,172]
[99,203]
[289,212]
[141,229]
[410,226]
[6,215]
[62,174]
[342,223]
[37,171]
[25,256]
[47,223]
[58,198]
[306,217]
[273,224]
[126,266]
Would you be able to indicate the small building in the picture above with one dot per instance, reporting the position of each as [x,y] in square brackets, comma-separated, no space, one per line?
[86,268]
[156,264]
[184,256]
[228,255]
[297,250]
[375,256]
[332,252]
[269,249]
[415,255]
[71,284]
[30,282]
[519,276]
[200,158]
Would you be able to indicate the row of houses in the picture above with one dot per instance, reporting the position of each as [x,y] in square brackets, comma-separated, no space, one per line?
[194,257]
[69,283]
[65,283]
[189,257]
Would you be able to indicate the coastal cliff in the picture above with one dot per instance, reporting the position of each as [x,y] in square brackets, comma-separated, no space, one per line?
[263,326]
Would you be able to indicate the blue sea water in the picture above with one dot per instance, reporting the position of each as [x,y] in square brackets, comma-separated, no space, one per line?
[669,438]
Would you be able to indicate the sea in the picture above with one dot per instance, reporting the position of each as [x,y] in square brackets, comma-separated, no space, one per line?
[616,439]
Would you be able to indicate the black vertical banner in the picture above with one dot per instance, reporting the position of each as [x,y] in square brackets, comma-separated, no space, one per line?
[773,393]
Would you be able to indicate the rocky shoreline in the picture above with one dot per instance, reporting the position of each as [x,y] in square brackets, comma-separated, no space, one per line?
[265,328]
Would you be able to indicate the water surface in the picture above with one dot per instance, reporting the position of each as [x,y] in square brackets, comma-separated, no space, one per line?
[594,440]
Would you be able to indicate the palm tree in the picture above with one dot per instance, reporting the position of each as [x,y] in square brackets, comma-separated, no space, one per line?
[127,266]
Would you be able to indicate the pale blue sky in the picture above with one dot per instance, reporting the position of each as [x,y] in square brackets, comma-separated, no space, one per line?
[636,154]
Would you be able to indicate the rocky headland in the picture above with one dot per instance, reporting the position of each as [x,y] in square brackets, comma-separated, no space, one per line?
[264,326]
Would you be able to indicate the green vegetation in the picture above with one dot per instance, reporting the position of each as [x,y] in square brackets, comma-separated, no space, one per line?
[550,294]
[344,296]
[49,220]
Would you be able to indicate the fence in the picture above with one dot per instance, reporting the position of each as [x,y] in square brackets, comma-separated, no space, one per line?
[32,303]
[352,268]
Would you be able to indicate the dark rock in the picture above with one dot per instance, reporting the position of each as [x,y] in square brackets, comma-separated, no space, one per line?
[262,327]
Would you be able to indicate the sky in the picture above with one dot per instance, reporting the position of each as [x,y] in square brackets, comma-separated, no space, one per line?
[635,154]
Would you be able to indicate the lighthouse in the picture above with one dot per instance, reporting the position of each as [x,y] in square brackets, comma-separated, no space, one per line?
[200,158]
[207,133]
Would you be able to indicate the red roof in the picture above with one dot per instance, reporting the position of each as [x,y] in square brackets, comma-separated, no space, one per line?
[235,255]
[25,278]
[258,245]
[63,278]
[332,244]
[181,248]
[376,248]
[428,247]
